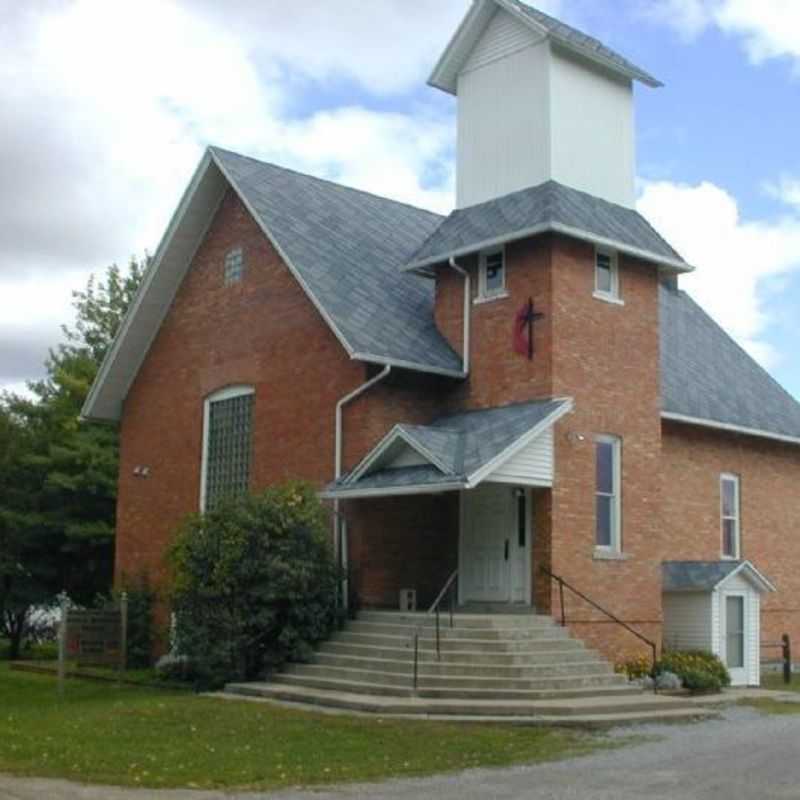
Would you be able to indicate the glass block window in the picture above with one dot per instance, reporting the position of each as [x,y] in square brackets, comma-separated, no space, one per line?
[607,493]
[234,266]
[729,491]
[228,445]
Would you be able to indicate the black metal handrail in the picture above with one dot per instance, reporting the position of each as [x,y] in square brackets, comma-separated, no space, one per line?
[447,591]
[613,617]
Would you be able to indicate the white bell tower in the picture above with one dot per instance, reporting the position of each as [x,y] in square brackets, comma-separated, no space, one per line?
[538,101]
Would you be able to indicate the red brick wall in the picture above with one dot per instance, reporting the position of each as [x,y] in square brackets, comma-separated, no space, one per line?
[692,460]
[498,375]
[403,542]
[264,332]
[606,357]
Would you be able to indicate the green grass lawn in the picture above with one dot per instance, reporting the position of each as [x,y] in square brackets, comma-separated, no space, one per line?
[101,733]
[774,680]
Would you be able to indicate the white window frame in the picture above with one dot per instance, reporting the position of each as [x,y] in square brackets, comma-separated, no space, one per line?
[615,546]
[227,393]
[737,518]
[483,293]
[612,296]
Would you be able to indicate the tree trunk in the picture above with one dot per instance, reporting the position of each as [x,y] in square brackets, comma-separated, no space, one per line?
[15,628]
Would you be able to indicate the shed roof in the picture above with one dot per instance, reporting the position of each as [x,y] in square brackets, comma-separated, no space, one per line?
[705,576]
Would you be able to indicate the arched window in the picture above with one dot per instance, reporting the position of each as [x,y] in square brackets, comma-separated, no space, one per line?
[227,444]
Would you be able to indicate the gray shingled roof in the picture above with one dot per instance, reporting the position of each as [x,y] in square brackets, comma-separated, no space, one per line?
[462,444]
[548,206]
[348,247]
[705,375]
[575,39]
[695,576]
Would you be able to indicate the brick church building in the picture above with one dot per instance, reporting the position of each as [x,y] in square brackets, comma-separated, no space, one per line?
[517,391]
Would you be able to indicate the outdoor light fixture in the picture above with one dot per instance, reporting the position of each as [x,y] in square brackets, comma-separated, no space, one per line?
[141,472]
[575,437]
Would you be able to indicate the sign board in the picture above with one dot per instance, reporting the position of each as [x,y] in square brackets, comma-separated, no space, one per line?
[93,637]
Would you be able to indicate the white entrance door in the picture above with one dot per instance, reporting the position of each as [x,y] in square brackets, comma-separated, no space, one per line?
[494,553]
[734,629]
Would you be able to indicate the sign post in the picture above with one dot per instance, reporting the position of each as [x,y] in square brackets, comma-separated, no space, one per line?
[62,647]
[123,635]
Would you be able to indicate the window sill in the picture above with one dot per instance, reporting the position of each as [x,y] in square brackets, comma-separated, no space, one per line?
[608,298]
[604,554]
[489,298]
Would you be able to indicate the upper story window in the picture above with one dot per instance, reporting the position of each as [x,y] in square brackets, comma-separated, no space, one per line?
[492,278]
[606,275]
[234,266]
[608,509]
[731,517]
[227,444]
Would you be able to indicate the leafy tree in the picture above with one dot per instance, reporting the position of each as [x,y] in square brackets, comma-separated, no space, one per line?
[254,583]
[58,475]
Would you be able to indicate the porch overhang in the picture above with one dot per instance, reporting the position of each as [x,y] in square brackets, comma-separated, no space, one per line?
[708,576]
[459,451]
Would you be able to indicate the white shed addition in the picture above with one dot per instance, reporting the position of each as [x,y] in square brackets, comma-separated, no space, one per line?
[716,606]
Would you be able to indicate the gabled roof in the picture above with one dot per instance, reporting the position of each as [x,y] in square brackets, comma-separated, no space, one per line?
[462,449]
[344,246]
[705,576]
[550,206]
[706,378]
[445,74]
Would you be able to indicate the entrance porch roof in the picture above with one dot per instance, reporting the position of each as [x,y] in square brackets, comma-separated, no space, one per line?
[457,451]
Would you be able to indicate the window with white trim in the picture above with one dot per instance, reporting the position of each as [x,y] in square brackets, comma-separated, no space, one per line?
[606,275]
[608,509]
[227,444]
[492,278]
[234,266]
[730,512]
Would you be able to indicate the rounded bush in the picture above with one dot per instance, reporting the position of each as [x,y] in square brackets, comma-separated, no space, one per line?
[254,584]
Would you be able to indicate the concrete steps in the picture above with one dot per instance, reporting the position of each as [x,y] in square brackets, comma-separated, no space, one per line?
[509,666]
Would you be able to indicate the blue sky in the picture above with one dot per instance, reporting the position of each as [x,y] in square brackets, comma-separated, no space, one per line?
[106,141]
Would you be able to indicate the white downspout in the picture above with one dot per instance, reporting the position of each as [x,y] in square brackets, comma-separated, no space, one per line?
[340,543]
[467,305]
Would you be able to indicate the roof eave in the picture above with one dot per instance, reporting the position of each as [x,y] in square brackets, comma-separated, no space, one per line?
[667,264]
[342,493]
[727,427]
[442,76]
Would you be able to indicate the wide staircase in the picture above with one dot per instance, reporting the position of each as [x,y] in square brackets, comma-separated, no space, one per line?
[486,667]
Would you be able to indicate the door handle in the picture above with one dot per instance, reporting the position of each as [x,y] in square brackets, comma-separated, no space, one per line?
[506,549]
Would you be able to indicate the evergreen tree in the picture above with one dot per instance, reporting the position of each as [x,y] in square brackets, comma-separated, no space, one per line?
[58,474]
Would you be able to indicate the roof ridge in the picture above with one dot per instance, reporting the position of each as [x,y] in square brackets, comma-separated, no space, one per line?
[326,181]
[736,344]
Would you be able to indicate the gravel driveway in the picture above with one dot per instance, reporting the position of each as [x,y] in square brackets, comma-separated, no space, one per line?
[742,756]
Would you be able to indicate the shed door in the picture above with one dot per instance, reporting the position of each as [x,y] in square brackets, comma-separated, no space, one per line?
[735,639]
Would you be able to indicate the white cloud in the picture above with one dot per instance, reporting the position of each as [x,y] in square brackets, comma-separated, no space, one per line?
[107,108]
[786,189]
[768,28]
[735,258]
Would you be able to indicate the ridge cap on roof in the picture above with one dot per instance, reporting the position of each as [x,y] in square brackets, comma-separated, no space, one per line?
[328,181]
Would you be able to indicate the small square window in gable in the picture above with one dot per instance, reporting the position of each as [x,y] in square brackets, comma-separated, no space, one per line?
[234,266]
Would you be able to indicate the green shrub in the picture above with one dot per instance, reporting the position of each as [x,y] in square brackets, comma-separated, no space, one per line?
[254,584]
[687,664]
[701,680]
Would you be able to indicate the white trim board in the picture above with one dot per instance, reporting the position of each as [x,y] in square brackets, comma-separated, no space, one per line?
[724,426]
[671,265]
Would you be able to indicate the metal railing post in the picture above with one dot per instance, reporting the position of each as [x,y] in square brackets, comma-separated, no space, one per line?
[561,601]
[416,658]
[438,649]
[452,606]
[787,658]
